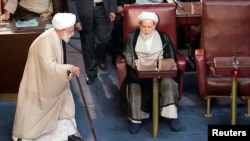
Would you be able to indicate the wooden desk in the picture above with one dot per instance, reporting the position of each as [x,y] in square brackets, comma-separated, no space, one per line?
[155,75]
[190,14]
[14,46]
[224,66]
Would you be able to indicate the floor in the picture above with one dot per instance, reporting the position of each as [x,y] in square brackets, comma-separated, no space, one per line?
[110,123]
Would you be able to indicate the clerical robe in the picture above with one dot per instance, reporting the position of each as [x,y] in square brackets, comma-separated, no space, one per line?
[44,95]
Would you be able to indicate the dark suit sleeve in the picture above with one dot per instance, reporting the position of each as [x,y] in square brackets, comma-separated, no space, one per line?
[119,2]
[122,2]
[72,8]
[113,6]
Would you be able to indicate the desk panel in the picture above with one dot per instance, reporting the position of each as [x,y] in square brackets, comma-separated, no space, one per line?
[14,46]
[13,54]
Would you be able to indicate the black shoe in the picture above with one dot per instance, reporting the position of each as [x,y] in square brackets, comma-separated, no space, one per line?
[102,65]
[90,79]
[134,127]
[175,125]
[74,138]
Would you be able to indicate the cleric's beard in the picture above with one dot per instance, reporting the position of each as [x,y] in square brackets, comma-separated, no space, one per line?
[66,38]
[147,36]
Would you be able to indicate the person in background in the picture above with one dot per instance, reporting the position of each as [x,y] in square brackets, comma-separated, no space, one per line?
[148,43]
[45,108]
[25,9]
[95,27]
[117,33]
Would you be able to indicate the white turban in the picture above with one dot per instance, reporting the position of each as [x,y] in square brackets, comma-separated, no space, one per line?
[63,20]
[148,16]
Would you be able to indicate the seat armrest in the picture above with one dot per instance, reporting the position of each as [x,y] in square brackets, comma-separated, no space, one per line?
[181,65]
[121,68]
[181,62]
[201,70]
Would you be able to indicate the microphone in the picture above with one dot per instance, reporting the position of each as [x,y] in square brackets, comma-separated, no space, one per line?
[178,3]
[157,60]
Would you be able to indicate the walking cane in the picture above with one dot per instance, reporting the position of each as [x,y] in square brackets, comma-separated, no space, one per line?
[86,109]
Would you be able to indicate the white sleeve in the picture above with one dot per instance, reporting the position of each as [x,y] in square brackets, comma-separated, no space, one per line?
[11,6]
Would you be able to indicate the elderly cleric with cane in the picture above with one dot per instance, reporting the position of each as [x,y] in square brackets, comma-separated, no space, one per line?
[45,107]
[148,43]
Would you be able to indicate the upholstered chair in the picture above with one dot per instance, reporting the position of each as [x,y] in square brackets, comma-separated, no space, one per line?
[224,33]
[167,24]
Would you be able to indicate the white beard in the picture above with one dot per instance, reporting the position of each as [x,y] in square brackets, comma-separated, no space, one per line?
[66,38]
[147,36]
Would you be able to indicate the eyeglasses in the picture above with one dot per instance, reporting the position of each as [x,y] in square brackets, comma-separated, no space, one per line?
[69,31]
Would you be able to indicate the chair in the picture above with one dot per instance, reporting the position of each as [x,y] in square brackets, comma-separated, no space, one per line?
[224,30]
[167,23]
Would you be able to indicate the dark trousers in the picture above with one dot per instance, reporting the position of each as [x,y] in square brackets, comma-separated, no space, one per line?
[117,38]
[24,14]
[94,42]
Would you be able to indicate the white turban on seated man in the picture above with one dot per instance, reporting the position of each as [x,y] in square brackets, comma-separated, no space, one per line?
[45,106]
[150,44]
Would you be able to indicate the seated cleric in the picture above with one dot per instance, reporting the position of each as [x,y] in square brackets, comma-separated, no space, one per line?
[45,108]
[148,43]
